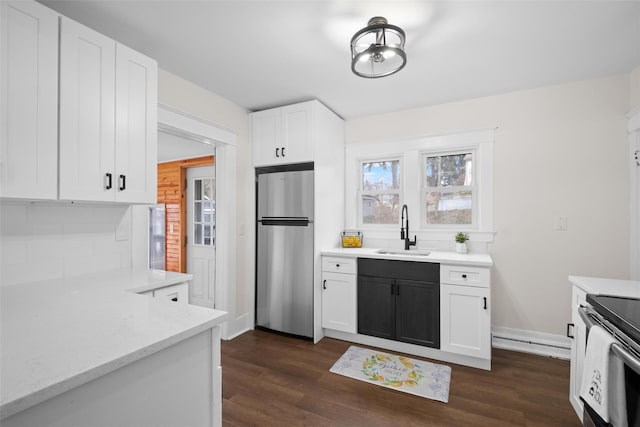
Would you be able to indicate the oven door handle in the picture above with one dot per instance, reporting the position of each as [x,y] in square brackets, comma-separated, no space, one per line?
[618,349]
[629,359]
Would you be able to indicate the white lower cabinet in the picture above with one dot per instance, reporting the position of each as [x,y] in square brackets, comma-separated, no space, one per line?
[578,350]
[339,294]
[465,311]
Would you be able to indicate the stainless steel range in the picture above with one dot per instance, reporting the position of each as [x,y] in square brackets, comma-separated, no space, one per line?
[619,317]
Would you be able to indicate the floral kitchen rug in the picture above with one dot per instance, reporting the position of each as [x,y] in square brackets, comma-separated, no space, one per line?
[417,377]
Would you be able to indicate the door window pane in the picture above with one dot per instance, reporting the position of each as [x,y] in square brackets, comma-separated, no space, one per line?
[204,216]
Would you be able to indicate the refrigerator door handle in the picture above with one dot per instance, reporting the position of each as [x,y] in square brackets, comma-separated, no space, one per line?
[300,222]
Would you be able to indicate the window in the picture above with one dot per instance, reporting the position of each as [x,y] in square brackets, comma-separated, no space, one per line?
[204,212]
[449,189]
[445,180]
[380,192]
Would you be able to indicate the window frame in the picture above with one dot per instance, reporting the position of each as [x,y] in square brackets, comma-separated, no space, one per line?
[475,191]
[361,192]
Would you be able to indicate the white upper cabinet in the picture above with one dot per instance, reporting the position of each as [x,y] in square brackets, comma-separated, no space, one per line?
[79,111]
[87,113]
[136,126]
[108,119]
[284,135]
[29,94]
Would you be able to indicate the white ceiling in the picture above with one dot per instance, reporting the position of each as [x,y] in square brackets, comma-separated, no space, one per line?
[266,53]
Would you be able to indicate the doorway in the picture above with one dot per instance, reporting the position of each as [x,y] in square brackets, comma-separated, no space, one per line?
[201,234]
[187,126]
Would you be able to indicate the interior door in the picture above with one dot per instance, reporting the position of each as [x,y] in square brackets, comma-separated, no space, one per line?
[201,231]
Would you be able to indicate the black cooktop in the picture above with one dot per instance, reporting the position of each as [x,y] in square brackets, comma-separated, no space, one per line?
[623,312]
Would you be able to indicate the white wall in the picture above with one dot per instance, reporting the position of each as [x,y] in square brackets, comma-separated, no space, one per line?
[41,241]
[559,150]
[187,97]
[634,97]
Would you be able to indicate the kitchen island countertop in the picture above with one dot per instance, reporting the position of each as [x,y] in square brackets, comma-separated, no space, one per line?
[59,334]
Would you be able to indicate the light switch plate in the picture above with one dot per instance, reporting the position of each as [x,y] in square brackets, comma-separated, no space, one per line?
[561,223]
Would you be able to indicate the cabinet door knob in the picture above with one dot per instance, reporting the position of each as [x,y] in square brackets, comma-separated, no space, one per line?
[337,265]
[324,284]
[123,182]
[109,184]
[570,326]
[464,276]
[485,302]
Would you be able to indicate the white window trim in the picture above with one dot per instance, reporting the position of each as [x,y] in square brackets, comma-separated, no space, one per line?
[410,150]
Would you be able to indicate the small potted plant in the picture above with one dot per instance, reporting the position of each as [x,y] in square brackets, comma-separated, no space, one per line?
[461,242]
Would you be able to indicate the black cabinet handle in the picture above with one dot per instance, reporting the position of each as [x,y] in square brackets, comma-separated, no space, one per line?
[464,276]
[282,151]
[175,299]
[123,182]
[324,284]
[393,289]
[485,303]
[570,326]
[109,183]
[278,152]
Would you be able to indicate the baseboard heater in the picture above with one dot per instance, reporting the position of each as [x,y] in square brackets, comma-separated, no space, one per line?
[549,345]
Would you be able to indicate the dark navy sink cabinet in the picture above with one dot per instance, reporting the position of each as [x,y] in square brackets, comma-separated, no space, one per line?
[399,300]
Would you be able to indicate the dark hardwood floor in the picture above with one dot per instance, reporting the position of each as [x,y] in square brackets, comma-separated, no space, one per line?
[273,380]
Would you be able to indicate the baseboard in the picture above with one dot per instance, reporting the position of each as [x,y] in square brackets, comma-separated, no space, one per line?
[539,343]
[236,327]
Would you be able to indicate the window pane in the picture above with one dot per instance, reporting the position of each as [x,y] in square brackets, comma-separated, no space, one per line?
[381,175]
[197,234]
[197,189]
[207,235]
[380,209]
[197,212]
[451,207]
[444,171]
[209,189]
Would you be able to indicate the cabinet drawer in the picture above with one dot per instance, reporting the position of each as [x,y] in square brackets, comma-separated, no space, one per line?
[339,265]
[177,293]
[463,275]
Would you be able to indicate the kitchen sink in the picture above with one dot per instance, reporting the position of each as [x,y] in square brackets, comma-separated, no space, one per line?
[402,252]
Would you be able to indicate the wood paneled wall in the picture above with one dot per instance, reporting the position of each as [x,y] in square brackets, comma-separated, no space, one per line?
[171,193]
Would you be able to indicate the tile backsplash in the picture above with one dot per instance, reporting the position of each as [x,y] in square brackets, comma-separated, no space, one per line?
[41,241]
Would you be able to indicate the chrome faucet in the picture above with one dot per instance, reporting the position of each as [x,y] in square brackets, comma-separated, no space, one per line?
[404,230]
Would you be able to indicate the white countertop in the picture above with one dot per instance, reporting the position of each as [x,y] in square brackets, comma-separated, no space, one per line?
[598,285]
[479,260]
[59,334]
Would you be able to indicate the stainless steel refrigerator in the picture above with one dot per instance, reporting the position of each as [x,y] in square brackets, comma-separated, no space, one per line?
[284,262]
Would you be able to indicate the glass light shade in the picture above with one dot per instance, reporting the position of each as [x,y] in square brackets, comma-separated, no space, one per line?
[378,49]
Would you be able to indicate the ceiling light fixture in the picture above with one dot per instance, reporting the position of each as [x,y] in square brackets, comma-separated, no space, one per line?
[378,49]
